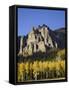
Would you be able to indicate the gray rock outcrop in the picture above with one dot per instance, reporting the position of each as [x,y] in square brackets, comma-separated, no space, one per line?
[38,40]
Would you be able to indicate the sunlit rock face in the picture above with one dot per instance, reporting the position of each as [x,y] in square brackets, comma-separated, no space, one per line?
[38,40]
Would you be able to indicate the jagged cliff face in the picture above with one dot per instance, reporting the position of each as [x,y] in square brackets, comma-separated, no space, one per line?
[40,39]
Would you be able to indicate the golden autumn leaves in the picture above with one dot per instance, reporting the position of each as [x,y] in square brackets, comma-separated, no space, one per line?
[32,70]
[38,70]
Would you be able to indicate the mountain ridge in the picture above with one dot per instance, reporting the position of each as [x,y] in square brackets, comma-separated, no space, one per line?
[40,39]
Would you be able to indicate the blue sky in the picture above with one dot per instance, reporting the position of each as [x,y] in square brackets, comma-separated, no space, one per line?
[27,18]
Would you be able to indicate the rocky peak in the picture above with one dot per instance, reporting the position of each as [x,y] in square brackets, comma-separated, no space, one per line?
[40,39]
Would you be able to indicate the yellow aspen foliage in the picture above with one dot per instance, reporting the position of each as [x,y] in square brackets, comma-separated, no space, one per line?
[27,67]
[35,67]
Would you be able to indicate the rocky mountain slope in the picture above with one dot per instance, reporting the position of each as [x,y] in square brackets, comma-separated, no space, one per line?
[41,39]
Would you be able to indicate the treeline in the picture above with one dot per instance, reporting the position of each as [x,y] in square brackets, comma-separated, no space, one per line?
[50,55]
[38,70]
[42,67]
